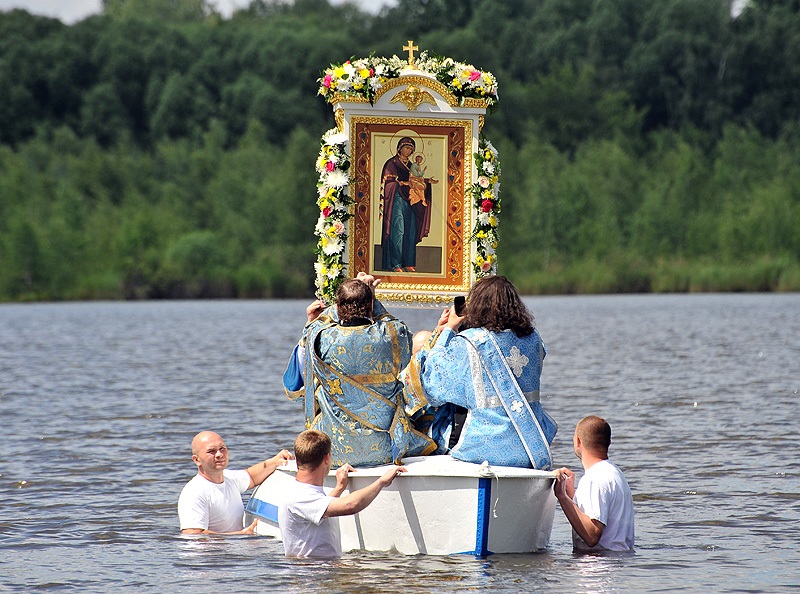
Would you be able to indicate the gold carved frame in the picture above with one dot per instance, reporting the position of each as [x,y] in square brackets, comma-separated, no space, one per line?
[454,137]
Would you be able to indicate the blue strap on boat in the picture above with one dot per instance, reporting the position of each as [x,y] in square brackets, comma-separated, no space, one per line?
[484,505]
[482,516]
[262,509]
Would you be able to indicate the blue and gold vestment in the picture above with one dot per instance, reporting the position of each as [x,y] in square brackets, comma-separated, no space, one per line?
[351,390]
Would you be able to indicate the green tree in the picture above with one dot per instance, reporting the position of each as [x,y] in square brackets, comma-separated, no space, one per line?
[24,262]
[177,11]
[103,116]
[675,69]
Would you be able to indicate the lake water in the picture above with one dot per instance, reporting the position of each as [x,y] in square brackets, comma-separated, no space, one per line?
[100,401]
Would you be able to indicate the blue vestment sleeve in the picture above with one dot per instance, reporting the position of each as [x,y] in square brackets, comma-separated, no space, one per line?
[446,373]
[293,376]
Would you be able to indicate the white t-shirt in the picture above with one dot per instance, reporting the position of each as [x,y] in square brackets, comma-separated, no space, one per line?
[305,532]
[603,494]
[212,506]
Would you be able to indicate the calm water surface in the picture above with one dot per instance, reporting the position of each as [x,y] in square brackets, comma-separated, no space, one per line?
[99,403]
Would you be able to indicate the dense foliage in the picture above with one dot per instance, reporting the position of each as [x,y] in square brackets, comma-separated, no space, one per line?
[159,150]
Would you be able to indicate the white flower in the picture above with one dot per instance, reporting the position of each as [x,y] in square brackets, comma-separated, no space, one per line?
[333,137]
[488,167]
[396,63]
[337,179]
[483,181]
[331,246]
[483,218]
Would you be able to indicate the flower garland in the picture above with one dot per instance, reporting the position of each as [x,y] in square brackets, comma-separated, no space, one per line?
[334,202]
[364,77]
[486,199]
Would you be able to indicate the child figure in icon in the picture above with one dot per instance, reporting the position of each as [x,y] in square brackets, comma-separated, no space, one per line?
[416,181]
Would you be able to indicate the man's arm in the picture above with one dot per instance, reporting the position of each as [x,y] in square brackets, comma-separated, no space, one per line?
[342,479]
[259,472]
[588,529]
[358,500]
[251,529]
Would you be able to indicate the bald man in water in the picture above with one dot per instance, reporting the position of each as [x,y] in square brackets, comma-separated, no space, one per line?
[211,503]
[600,510]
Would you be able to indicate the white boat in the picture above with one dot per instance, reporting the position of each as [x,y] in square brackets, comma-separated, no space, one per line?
[441,506]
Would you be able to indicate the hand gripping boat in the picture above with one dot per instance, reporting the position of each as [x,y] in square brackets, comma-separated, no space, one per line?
[441,506]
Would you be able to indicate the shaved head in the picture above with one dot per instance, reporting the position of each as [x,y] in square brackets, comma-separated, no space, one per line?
[201,439]
[594,433]
[210,455]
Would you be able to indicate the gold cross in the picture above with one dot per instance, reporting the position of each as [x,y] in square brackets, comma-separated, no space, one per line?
[410,49]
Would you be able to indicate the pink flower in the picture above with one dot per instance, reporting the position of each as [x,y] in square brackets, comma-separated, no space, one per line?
[330,166]
[486,266]
[326,211]
[326,82]
[483,181]
[474,75]
[338,227]
[487,206]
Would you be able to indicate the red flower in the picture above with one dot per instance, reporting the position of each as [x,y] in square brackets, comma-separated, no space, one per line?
[330,166]
[487,206]
[326,211]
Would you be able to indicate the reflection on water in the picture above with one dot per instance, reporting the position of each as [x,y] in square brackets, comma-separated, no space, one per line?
[100,402]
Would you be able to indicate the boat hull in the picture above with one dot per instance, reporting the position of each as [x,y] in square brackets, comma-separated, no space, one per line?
[441,506]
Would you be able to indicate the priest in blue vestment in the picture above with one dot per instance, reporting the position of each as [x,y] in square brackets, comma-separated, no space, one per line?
[345,372]
[491,367]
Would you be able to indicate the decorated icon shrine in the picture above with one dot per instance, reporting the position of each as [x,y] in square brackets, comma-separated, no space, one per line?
[408,188]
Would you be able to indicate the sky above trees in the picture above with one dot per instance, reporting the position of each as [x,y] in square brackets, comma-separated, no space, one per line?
[72,11]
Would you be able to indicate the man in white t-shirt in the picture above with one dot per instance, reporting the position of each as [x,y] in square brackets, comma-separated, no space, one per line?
[211,503]
[600,510]
[308,517]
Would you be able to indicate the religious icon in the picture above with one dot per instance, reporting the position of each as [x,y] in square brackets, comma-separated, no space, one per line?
[410,206]
[406,200]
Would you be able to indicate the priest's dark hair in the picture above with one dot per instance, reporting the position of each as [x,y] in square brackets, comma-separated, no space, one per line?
[353,300]
[493,303]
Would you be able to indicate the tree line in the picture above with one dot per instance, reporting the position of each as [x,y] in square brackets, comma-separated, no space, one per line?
[159,150]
